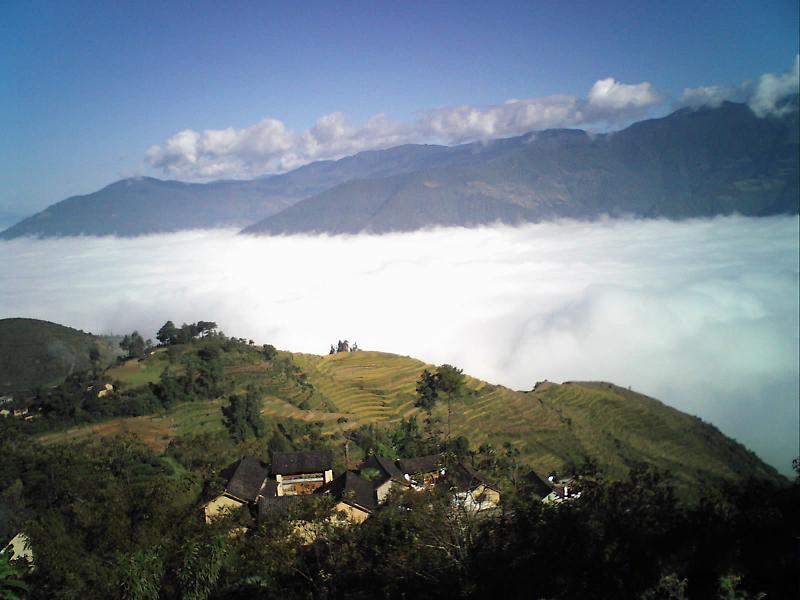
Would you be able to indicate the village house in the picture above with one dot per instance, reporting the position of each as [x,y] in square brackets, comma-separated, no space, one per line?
[293,474]
[563,490]
[422,472]
[101,389]
[19,547]
[536,485]
[355,496]
[472,490]
[297,477]
[383,473]
[248,483]
[300,473]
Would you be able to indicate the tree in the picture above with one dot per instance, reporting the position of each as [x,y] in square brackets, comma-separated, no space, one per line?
[167,334]
[94,358]
[11,586]
[205,328]
[427,390]
[133,344]
[210,374]
[141,574]
[450,382]
[243,415]
[187,333]
[201,564]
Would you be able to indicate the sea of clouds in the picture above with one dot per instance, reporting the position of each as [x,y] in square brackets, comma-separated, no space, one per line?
[702,314]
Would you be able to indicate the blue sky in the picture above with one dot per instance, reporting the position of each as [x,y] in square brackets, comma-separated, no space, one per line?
[87,88]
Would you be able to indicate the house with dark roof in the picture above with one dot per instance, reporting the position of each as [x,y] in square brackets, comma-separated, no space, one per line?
[472,490]
[299,473]
[248,483]
[563,489]
[536,485]
[383,473]
[355,496]
[422,472]
[279,506]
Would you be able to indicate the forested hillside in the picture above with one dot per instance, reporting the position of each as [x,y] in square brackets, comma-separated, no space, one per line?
[34,352]
[116,465]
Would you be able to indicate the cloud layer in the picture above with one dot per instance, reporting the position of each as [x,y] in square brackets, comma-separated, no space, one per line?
[269,146]
[700,314]
[771,95]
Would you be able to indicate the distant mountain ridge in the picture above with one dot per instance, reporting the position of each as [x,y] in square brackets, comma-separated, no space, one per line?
[143,205]
[692,163]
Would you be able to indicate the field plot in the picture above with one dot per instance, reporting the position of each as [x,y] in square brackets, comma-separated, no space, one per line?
[186,418]
[366,386]
[155,431]
[137,372]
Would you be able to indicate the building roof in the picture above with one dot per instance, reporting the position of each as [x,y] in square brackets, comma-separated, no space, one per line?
[247,480]
[537,484]
[351,488]
[294,463]
[269,489]
[465,477]
[279,506]
[420,464]
[385,467]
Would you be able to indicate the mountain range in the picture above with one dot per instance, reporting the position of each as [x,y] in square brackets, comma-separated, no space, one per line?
[692,163]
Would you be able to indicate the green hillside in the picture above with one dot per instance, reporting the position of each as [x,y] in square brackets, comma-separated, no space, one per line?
[554,426]
[34,352]
[551,426]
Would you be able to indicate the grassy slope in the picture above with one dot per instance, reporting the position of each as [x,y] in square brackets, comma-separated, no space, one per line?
[551,426]
[34,352]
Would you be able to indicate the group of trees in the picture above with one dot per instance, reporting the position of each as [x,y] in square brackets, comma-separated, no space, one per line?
[133,518]
[343,346]
[134,345]
[447,381]
[202,378]
[169,334]
[243,415]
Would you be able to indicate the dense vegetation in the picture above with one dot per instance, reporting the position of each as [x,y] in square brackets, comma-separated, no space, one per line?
[34,352]
[114,519]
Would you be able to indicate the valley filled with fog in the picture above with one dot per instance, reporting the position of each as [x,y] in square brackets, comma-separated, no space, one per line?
[702,314]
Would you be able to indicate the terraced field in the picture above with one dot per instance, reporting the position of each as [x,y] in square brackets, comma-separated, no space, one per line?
[366,386]
[552,425]
[186,418]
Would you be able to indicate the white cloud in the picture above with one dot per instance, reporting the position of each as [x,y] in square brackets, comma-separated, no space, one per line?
[771,91]
[771,95]
[701,314]
[610,98]
[270,147]
[712,95]
[462,123]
